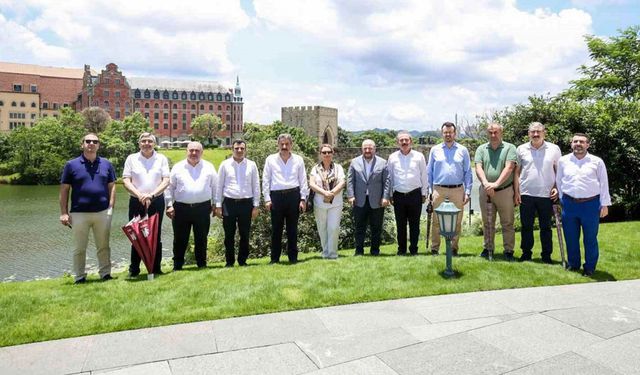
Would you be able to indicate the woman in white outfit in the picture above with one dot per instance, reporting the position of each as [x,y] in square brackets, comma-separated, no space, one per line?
[327,181]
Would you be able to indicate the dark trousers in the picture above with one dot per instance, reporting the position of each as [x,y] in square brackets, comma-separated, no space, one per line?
[136,208]
[543,208]
[407,208]
[236,213]
[585,216]
[372,217]
[285,210]
[187,216]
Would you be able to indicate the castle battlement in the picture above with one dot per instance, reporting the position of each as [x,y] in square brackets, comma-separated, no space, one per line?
[317,121]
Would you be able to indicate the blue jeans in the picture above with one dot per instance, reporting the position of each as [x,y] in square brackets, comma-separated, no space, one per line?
[585,216]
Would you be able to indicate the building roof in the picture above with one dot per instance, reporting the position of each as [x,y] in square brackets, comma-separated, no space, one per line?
[175,84]
[45,71]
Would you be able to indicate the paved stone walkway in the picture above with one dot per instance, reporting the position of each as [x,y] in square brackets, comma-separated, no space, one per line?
[589,328]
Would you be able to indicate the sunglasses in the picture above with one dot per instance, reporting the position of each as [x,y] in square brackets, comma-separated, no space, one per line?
[326,152]
[94,141]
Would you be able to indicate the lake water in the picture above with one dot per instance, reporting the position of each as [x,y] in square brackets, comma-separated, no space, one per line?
[34,245]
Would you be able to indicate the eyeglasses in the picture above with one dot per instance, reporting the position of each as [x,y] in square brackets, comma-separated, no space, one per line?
[326,152]
[94,141]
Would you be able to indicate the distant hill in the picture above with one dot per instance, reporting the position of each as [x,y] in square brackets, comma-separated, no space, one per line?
[414,133]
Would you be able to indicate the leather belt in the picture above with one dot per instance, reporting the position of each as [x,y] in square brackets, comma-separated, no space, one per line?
[207,203]
[407,193]
[238,200]
[450,186]
[581,200]
[504,187]
[285,191]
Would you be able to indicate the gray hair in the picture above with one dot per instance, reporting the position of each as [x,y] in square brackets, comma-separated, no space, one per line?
[369,141]
[499,126]
[285,136]
[195,143]
[536,124]
[401,133]
[147,135]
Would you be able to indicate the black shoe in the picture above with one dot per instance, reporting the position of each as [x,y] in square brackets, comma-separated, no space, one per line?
[177,268]
[202,266]
[525,258]
[375,254]
[509,257]
[573,269]
[242,264]
[274,261]
[228,265]
[358,254]
[484,253]
[293,261]
[158,272]
[454,252]
[132,275]
[587,273]
[107,277]
[401,253]
[547,260]
[434,252]
[81,281]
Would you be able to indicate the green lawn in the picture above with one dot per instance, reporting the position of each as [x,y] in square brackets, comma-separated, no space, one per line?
[215,156]
[51,309]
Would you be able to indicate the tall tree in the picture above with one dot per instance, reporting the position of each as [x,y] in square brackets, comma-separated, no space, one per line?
[96,119]
[207,127]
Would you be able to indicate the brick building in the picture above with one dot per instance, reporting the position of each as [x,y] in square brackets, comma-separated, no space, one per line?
[169,104]
[30,91]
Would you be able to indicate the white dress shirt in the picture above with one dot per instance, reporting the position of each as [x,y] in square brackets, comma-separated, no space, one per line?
[537,174]
[583,178]
[408,172]
[146,173]
[278,175]
[191,184]
[238,181]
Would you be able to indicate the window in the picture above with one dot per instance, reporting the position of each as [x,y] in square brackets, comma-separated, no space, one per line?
[184,105]
[65,105]
[117,93]
[106,105]
[156,94]
[106,93]
[202,107]
[228,108]
[165,94]
[201,96]
[174,95]
[184,126]
[136,94]
[146,105]
[147,94]
[136,105]
[155,126]
[117,81]
[227,98]
[146,115]
[13,104]
[106,81]
[166,116]
[219,107]
[156,116]
[33,105]
[184,116]
[22,104]
[175,106]
[175,126]
[166,106]
[117,106]
[228,118]
[33,116]
[184,95]
[17,88]
[34,88]
[193,95]
[210,97]
[166,126]
[219,97]
[175,116]
[193,107]
[45,105]
[117,115]
[211,107]
[193,116]
[1,103]
[126,106]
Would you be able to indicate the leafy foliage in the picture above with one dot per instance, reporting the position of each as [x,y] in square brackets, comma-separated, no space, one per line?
[96,119]
[206,128]
[120,139]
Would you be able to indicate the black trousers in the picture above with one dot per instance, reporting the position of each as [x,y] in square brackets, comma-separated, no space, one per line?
[187,216]
[136,208]
[236,213]
[543,208]
[285,209]
[407,208]
[366,216]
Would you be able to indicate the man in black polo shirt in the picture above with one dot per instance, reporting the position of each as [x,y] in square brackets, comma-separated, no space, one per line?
[91,180]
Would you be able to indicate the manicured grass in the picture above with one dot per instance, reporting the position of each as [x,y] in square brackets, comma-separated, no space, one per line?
[51,309]
[215,156]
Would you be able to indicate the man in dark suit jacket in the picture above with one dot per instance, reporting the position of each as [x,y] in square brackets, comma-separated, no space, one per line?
[368,194]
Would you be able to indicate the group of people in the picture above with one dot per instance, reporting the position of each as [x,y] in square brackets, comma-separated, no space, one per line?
[532,176]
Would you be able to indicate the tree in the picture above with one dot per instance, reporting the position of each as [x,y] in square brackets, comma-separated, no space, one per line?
[120,139]
[96,119]
[615,71]
[206,128]
[344,138]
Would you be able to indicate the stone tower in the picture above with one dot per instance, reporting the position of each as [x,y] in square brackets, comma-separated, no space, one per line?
[318,122]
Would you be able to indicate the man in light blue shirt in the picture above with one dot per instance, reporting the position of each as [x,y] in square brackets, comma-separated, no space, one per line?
[449,175]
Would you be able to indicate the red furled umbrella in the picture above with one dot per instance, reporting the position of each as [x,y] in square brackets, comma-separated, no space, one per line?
[142,233]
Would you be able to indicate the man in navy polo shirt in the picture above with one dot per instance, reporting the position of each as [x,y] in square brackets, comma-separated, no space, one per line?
[91,180]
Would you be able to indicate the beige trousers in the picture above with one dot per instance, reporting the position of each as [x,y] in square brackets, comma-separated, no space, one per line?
[456,196]
[100,223]
[502,203]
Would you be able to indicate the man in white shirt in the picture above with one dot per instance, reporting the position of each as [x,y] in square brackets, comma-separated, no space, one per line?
[408,182]
[534,183]
[190,200]
[237,201]
[146,176]
[583,187]
[285,191]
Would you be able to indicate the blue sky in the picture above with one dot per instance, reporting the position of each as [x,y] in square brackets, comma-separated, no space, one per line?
[404,64]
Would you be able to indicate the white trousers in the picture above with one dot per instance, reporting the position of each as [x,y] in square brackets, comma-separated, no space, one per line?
[328,222]
[100,223]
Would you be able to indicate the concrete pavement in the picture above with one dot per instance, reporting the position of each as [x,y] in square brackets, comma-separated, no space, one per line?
[591,328]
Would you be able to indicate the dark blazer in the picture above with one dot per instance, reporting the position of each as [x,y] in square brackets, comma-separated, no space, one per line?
[377,183]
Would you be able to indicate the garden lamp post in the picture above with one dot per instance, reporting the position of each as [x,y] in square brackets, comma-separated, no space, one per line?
[448,217]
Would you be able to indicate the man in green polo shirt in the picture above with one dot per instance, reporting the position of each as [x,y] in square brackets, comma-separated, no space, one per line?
[495,164]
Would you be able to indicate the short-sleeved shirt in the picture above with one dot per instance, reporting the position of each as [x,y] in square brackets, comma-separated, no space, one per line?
[146,173]
[89,183]
[537,174]
[494,161]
